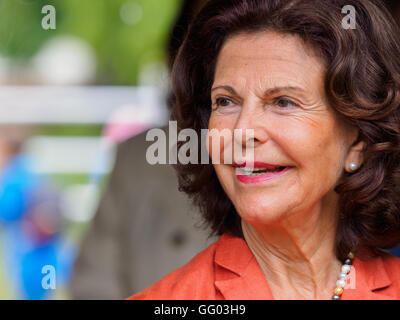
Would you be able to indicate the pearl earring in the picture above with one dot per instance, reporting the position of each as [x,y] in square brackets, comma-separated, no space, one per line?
[353,166]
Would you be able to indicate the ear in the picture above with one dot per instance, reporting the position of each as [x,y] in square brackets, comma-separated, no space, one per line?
[355,154]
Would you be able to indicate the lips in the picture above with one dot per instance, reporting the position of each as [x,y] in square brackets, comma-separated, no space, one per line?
[257,165]
[259,171]
[248,171]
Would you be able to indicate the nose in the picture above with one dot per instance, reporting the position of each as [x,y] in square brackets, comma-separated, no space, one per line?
[250,131]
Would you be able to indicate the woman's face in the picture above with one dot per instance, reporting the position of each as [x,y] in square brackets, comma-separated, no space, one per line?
[274,84]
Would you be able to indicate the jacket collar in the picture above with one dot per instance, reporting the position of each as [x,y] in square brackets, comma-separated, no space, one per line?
[370,277]
[238,275]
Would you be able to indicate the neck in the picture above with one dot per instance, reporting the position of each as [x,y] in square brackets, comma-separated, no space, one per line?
[298,262]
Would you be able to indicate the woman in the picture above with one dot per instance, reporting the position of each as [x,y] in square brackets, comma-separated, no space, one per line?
[324,104]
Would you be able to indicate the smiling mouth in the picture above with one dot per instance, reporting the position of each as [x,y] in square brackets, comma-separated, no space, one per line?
[258,171]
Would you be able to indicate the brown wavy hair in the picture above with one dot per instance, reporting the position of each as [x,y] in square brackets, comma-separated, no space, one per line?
[362,84]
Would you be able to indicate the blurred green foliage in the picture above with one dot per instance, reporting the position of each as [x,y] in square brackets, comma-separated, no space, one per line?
[71,129]
[21,32]
[121,48]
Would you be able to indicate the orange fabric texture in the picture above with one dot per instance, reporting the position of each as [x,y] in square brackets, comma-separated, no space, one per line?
[228,270]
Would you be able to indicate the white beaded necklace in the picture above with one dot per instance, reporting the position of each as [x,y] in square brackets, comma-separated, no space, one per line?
[341,282]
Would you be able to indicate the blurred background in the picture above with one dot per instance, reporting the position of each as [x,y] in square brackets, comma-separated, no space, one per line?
[82,216]
[75,82]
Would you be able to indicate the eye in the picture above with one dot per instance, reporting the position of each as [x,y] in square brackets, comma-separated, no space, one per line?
[285,103]
[222,102]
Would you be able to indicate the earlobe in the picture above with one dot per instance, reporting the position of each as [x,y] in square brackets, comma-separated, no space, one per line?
[355,157]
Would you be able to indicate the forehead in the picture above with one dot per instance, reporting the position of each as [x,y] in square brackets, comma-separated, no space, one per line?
[268,56]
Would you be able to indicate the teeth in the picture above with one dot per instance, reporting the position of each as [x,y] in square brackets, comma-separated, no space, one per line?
[257,171]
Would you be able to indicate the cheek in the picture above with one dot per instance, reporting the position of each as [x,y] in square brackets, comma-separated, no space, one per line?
[315,147]
[220,134]
[294,138]
[320,152]
[226,178]
[307,141]
[221,121]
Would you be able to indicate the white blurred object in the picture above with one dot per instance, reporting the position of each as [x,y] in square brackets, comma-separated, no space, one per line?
[67,155]
[65,60]
[72,155]
[131,12]
[131,114]
[154,74]
[80,202]
[78,104]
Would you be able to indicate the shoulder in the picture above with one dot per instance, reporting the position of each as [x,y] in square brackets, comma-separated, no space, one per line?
[194,280]
[392,266]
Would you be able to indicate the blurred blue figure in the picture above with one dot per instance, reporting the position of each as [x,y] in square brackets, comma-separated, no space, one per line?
[32,223]
[395,251]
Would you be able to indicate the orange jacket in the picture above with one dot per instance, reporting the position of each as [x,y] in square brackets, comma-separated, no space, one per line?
[227,269]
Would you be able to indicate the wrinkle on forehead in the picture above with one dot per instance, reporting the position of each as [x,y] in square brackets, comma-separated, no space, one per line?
[275,39]
[264,60]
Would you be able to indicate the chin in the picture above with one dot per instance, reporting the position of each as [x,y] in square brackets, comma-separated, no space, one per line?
[261,211]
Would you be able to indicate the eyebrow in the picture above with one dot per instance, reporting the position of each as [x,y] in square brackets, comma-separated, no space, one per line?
[267,92]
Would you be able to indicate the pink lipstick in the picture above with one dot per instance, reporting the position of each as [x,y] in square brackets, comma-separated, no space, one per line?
[259,172]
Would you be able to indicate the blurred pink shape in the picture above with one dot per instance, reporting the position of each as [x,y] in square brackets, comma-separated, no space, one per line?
[126,122]
[119,132]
